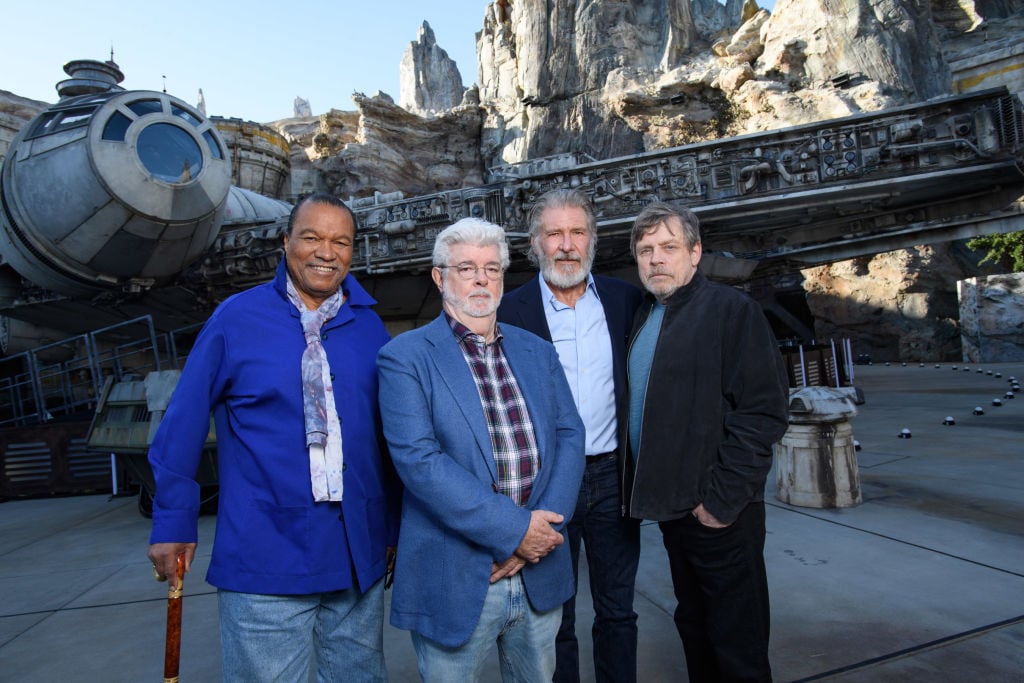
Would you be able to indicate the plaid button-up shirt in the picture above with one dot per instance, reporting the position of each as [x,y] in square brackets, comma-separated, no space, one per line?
[508,421]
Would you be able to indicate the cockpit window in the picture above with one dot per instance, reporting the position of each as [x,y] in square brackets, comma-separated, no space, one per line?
[178,111]
[169,153]
[211,141]
[143,107]
[117,126]
[55,121]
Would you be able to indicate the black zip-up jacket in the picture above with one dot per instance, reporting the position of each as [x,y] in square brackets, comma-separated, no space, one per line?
[716,401]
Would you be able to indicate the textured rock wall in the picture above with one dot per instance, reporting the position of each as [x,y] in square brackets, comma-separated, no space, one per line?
[614,78]
[15,112]
[893,42]
[429,80]
[312,139]
[897,306]
[609,78]
[992,318]
[396,150]
[544,68]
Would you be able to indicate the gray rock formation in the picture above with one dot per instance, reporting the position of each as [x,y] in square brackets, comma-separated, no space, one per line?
[15,112]
[897,306]
[555,100]
[312,139]
[301,108]
[429,80]
[893,43]
[396,150]
[615,78]
[992,318]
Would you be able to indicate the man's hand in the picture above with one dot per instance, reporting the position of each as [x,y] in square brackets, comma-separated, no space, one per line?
[509,567]
[540,538]
[706,518]
[164,557]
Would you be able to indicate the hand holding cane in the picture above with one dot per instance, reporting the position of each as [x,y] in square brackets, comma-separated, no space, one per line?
[172,650]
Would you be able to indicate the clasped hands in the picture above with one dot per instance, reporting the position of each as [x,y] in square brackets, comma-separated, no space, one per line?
[540,539]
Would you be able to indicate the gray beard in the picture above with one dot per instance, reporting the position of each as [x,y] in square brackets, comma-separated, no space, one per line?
[553,276]
[463,306]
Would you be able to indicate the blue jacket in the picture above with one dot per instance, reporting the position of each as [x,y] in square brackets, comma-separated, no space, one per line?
[271,537]
[454,523]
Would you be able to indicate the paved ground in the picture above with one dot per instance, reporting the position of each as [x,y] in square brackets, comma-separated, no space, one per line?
[924,581]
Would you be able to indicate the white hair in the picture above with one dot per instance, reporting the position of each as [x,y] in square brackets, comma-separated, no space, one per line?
[475,231]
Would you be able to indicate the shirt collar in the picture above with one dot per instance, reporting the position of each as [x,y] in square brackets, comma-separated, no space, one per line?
[551,301]
[466,335]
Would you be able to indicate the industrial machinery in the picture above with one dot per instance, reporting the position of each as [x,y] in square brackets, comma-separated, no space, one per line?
[117,204]
[127,416]
[786,196]
[109,194]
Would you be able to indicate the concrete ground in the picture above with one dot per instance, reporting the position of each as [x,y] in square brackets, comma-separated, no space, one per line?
[923,581]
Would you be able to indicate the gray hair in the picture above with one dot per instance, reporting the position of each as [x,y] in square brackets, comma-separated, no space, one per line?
[657,213]
[474,231]
[558,199]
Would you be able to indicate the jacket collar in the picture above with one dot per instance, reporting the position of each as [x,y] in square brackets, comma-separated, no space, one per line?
[686,292]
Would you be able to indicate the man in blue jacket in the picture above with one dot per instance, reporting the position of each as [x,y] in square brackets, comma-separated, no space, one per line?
[588,318]
[308,504]
[483,432]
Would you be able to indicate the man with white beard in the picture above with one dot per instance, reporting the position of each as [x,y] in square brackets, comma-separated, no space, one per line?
[588,318]
[482,430]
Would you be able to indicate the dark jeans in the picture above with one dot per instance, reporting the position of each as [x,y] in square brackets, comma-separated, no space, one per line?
[720,582]
[613,552]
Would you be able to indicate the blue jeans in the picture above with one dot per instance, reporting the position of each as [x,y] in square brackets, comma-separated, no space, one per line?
[612,544]
[279,637]
[525,639]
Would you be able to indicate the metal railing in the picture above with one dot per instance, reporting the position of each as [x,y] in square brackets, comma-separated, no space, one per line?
[34,390]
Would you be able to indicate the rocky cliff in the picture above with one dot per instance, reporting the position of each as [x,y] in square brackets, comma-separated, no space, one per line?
[608,78]
[15,112]
[992,318]
[429,79]
[614,78]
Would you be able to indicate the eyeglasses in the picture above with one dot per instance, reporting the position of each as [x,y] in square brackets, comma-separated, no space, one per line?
[468,271]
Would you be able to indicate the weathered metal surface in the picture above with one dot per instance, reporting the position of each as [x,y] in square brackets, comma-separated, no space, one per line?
[50,459]
[101,230]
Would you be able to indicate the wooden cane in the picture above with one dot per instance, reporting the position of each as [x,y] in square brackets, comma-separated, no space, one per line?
[172,650]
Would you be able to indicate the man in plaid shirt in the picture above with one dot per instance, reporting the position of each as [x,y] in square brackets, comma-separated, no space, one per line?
[483,431]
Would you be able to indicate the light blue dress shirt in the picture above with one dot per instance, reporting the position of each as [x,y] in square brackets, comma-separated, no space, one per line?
[580,336]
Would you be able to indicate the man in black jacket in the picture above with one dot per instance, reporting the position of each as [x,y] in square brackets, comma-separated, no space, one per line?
[707,399]
[588,318]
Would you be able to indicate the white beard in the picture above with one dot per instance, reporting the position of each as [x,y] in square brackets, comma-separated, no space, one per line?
[554,275]
[470,307]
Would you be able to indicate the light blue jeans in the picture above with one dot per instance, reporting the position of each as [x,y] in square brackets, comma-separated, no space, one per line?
[279,637]
[525,640]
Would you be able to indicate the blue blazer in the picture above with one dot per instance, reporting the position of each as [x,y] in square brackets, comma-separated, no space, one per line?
[454,523]
[245,368]
[523,308]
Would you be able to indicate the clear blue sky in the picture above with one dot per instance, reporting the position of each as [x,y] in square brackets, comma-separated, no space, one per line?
[251,58]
